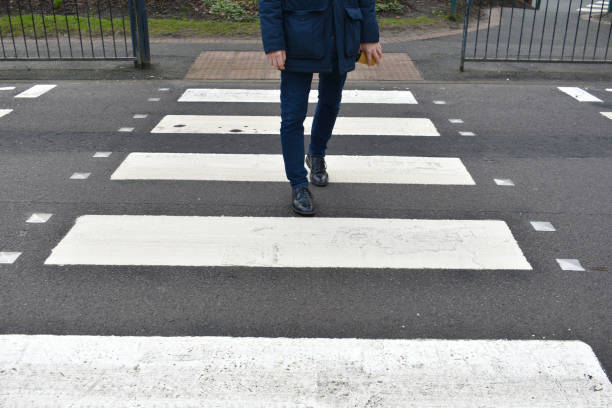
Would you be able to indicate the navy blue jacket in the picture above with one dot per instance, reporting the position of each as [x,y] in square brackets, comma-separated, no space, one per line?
[305,29]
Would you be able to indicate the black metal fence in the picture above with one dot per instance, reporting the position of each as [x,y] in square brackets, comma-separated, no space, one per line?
[577,31]
[78,30]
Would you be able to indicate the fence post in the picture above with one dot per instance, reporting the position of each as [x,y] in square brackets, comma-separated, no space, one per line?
[140,33]
[468,3]
[453,8]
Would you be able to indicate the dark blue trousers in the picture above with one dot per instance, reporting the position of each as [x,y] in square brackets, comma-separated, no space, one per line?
[295,88]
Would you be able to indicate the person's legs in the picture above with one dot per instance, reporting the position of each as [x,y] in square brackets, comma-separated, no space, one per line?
[328,106]
[295,87]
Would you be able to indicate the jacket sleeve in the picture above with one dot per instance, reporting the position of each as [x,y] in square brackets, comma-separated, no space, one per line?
[271,18]
[369,24]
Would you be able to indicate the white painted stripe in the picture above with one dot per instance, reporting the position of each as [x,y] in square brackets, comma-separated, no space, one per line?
[39,218]
[608,89]
[289,242]
[570,265]
[542,226]
[579,94]
[455,120]
[282,372]
[102,154]
[270,167]
[80,176]
[7,88]
[607,114]
[271,125]
[126,129]
[504,182]
[8,258]
[140,116]
[4,112]
[467,133]
[153,99]
[35,91]
[273,96]
[439,102]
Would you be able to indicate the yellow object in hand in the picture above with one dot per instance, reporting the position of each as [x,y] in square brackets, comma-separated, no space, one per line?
[364,60]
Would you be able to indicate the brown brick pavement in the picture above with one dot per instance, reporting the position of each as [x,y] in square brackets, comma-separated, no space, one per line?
[254,65]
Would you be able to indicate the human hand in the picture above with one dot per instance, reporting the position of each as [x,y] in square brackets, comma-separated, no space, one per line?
[277,58]
[373,52]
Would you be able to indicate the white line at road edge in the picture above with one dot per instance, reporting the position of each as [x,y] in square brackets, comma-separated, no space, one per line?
[270,125]
[35,91]
[579,94]
[273,96]
[269,167]
[280,242]
[281,372]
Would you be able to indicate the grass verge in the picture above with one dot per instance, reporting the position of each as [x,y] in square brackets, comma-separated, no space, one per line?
[166,27]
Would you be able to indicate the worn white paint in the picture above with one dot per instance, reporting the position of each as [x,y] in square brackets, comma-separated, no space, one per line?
[163,89]
[154,99]
[35,91]
[6,88]
[126,129]
[544,226]
[504,182]
[4,112]
[80,176]
[439,102]
[270,167]
[108,371]
[271,125]
[607,114]
[39,218]
[7,257]
[287,242]
[467,133]
[102,154]
[273,96]
[140,116]
[570,264]
[456,121]
[579,94]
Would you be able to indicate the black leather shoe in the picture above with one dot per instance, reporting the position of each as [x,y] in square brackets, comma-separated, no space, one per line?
[317,166]
[302,201]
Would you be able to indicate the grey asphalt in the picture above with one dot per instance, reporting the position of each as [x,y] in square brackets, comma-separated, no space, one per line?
[557,151]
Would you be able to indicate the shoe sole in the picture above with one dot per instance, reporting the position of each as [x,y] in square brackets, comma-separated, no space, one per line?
[307,214]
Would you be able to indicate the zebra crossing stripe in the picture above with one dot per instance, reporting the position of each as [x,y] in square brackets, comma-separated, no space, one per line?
[269,167]
[301,372]
[289,242]
[4,112]
[273,96]
[607,114]
[373,126]
[579,94]
[35,91]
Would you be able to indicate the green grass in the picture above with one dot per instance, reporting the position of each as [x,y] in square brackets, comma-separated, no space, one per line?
[172,27]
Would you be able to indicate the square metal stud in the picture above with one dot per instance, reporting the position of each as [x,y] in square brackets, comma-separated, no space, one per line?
[102,154]
[80,176]
[504,182]
[9,257]
[467,133]
[542,226]
[570,264]
[39,218]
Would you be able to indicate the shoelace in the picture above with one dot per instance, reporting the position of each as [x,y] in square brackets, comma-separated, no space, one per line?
[302,191]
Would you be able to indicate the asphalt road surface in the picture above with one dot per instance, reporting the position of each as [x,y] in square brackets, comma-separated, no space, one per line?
[180,241]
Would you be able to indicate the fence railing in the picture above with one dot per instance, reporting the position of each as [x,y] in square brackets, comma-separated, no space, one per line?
[78,30]
[560,31]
